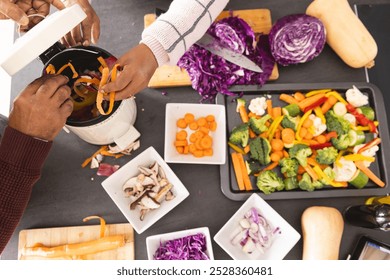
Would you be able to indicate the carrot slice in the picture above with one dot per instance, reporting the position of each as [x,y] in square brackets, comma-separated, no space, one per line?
[238,171]
[243,114]
[269,107]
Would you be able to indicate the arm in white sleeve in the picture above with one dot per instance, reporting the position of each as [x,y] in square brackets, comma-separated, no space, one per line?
[185,22]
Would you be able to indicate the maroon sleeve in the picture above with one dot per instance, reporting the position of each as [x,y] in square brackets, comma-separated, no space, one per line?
[21,161]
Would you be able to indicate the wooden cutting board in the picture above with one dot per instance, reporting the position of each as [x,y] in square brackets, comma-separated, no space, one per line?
[171,76]
[66,235]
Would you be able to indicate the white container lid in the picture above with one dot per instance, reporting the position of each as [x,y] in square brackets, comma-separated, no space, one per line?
[41,37]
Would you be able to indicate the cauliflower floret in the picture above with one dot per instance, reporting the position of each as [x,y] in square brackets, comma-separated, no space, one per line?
[345,172]
[371,152]
[318,126]
[258,106]
[356,98]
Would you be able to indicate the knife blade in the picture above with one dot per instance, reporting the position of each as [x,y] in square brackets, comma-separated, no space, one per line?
[209,43]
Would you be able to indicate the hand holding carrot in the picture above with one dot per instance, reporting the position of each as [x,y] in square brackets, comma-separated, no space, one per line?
[138,66]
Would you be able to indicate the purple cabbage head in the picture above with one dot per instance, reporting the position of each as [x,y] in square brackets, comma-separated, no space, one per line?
[211,74]
[296,39]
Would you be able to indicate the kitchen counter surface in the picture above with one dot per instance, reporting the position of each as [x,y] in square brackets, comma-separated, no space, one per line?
[67,193]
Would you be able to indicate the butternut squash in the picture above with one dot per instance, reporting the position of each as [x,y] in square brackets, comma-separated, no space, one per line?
[322,229]
[345,33]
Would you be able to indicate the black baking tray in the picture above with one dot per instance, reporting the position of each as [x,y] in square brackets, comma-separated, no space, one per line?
[228,181]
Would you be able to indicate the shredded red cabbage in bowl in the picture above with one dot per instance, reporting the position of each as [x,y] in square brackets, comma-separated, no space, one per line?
[211,74]
[192,247]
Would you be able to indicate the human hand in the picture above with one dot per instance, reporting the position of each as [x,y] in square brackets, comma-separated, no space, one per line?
[138,66]
[19,10]
[86,32]
[42,108]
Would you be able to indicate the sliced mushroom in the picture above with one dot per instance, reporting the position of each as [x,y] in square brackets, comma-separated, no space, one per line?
[134,204]
[150,202]
[161,173]
[131,183]
[163,182]
[169,196]
[154,167]
[163,192]
[148,182]
[143,212]
[144,170]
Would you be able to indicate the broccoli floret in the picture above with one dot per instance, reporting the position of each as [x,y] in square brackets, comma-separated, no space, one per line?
[305,183]
[317,184]
[258,125]
[260,149]
[337,123]
[269,182]
[300,152]
[290,122]
[290,183]
[329,173]
[240,135]
[289,167]
[326,155]
[253,167]
[342,142]
[240,102]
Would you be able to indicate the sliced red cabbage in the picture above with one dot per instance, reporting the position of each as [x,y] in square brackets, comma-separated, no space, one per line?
[296,39]
[211,74]
[192,247]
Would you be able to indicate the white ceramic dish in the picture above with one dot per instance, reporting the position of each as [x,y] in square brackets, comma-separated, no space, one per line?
[153,242]
[175,111]
[113,186]
[282,244]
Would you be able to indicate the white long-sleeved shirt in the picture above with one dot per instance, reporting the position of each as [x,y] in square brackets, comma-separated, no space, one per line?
[174,32]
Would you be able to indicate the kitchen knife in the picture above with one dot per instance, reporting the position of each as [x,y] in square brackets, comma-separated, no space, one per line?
[209,43]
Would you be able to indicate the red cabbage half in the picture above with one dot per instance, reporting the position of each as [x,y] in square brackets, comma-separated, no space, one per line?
[211,74]
[192,247]
[296,39]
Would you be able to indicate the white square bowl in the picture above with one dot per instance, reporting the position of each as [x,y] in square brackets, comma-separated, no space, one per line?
[113,186]
[175,111]
[281,245]
[153,242]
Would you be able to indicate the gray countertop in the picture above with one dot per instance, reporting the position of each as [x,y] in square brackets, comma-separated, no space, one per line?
[66,193]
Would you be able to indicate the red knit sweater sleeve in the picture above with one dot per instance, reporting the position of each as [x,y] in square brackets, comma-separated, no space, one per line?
[21,161]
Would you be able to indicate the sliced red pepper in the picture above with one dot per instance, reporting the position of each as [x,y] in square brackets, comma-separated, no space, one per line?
[350,108]
[372,127]
[321,146]
[369,145]
[315,104]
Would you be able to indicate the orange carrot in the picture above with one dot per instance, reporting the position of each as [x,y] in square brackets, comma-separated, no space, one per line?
[299,96]
[288,98]
[181,123]
[181,143]
[206,142]
[311,172]
[201,121]
[181,135]
[275,157]
[251,133]
[246,149]
[238,171]
[247,181]
[310,100]
[285,154]
[332,134]
[369,173]
[277,145]
[243,114]
[210,118]
[288,135]
[271,166]
[269,107]
[213,126]
[189,118]
[276,112]
[321,139]
[198,153]
[208,152]
[193,125]
[88,160]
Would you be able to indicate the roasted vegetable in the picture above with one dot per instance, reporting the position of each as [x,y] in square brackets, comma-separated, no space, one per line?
[342,142]
[290,122]
[260,150]
[269,182]
[300,152]
[253,167]
[258,125]
[240,135]
[305,183]
[326,155]
[337,123]
[289,167]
